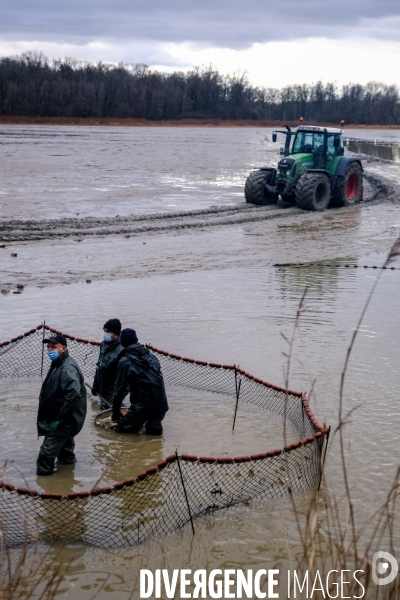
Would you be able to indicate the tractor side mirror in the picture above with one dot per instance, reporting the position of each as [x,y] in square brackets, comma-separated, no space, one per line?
[336,142]
[274,137]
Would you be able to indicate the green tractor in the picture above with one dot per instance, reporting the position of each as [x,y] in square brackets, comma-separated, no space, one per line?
[313,172]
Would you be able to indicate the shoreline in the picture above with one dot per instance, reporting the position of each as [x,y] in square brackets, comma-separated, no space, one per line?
[116,122]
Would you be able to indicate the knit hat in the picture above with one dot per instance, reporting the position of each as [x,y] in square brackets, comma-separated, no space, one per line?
[113,325]
[56,339]
[128,337]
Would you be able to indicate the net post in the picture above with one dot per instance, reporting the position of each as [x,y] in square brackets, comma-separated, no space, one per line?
[323,462]
[41,368]
[184,491]
[302,414]
[237,390]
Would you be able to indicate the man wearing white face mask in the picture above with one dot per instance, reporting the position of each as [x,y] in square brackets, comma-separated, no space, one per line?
[106,366]
[62,407]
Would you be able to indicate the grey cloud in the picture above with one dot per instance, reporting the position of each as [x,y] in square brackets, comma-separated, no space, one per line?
[224,23]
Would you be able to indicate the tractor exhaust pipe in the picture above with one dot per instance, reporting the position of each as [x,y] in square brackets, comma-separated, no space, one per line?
[286,151]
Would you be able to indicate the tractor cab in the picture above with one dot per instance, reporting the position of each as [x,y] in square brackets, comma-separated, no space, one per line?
[311,139]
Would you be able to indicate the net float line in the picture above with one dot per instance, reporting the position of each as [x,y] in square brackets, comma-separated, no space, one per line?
[155,501]
[305,266]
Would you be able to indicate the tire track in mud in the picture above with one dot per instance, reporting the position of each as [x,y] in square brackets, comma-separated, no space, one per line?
[17,231]
[29,230]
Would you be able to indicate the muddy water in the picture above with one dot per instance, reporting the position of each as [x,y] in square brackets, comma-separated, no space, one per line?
[52,172]
[213,295]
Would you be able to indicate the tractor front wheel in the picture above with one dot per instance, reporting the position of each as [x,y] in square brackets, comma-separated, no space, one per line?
[254,190]
[348,188]
[313,191]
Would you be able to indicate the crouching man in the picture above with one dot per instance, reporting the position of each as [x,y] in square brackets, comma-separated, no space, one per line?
[139,372]
[62,407]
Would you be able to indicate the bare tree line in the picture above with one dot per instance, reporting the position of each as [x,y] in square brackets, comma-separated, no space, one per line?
[32,85]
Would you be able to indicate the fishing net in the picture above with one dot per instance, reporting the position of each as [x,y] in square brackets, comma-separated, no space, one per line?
[181,487]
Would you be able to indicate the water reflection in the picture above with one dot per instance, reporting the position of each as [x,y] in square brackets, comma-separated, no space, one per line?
[320,279]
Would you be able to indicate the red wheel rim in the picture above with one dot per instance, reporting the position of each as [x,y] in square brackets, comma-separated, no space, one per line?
[351,186]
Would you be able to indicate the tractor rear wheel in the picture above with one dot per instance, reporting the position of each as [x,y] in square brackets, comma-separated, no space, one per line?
[313,191]
[254,189]
[348,188]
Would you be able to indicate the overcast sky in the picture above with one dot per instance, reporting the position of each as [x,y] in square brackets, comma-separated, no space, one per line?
[277,42]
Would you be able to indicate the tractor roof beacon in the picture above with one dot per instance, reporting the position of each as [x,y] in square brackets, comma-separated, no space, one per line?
[312,173]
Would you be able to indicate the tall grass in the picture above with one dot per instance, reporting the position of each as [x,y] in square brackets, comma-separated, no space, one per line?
[29,572]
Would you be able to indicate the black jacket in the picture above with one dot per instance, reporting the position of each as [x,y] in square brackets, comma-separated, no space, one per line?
[139,372]
[106,369]
[62,398]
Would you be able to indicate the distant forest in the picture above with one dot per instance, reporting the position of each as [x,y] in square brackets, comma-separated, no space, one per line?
[32,85]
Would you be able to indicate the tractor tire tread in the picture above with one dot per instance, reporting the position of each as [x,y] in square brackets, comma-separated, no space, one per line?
[254,188]
[305,192]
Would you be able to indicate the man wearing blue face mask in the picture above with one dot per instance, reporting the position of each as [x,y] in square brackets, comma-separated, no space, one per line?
[106,367]
[62,407]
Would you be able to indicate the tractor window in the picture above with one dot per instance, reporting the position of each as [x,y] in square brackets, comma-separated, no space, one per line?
[335,149]
[308,141]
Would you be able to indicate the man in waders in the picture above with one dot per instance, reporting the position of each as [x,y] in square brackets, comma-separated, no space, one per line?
[139,372]
[62,407]
[106,367]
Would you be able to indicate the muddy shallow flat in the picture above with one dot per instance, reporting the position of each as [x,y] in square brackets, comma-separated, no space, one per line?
[291,237]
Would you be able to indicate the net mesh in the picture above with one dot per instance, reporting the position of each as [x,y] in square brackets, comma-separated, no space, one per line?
[180,488]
